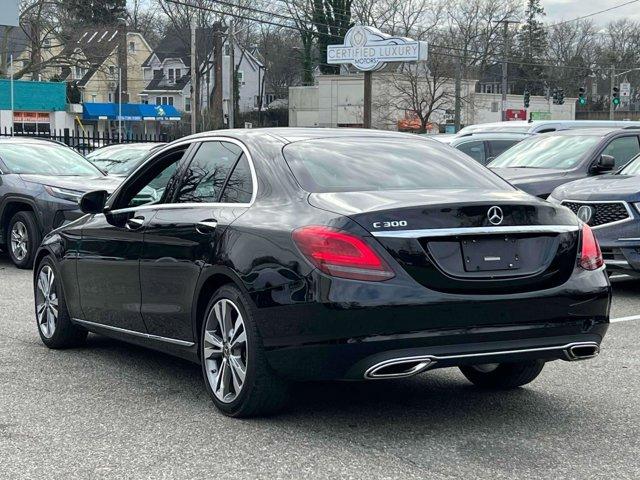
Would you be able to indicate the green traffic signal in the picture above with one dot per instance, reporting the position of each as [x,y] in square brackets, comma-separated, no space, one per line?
[616,101]
[582,101]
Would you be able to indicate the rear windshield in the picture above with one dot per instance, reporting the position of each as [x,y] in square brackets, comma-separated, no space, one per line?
[367,164]
[561,152]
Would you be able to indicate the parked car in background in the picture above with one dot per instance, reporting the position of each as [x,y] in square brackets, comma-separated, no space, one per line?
[321,254]
[545,126]
[542,163]
[484,147]
[610,204]
[40,185]
[121,159]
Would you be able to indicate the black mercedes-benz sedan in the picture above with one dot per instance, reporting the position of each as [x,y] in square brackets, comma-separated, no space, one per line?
[276,255]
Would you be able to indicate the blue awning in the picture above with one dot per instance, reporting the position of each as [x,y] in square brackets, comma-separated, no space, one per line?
[129,112]
[99,111]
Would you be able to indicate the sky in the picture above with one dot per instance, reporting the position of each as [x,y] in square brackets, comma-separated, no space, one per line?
[558,10]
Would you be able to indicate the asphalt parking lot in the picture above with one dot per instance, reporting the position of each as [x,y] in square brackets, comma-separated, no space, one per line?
[111,410]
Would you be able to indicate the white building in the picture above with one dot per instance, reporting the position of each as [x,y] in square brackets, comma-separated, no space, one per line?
[338,101]
[167,71]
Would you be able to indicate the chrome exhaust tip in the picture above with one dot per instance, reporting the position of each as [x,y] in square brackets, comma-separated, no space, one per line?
[399,368]
[582,351]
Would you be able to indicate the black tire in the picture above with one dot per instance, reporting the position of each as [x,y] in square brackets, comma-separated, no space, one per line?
[505,375]
[66,334]
[27,219]
[263,392]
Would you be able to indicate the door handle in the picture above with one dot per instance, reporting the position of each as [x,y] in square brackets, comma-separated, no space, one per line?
[134,223]
[206,227]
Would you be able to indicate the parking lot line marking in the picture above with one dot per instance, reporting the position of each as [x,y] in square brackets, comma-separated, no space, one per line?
[625,319]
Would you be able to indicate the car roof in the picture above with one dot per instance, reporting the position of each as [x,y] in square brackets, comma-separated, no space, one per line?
[296,134]
[494,136]
[594,132]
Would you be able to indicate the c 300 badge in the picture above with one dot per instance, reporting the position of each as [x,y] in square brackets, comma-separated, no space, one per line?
[392,224]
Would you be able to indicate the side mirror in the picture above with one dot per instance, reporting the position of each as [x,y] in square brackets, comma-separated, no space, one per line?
[606,163]
[94,202]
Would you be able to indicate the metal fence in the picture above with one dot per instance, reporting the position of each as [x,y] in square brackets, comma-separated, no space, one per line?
[84,142]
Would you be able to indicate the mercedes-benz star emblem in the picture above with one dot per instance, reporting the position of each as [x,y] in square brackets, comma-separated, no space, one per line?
[585,213]
[495,215]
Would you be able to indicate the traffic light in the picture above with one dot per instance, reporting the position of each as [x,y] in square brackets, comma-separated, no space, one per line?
[554,95]
[582,99]
[527,98]
[560,97]
[615,96]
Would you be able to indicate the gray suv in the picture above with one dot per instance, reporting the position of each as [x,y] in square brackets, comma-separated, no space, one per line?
[40,185]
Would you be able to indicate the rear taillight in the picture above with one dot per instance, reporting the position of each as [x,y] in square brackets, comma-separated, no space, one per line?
[590,256]
[341,254]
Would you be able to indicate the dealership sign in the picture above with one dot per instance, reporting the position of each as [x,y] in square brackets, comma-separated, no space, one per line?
[368,49]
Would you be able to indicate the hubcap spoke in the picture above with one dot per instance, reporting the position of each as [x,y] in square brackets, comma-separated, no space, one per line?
[212,345]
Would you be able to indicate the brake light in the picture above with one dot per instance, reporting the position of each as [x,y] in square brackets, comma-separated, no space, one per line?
[591,256]
[341,254]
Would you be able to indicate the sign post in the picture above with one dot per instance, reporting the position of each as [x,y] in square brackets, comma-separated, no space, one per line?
[368,50]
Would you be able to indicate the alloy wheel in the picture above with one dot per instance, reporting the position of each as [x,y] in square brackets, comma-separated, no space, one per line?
[225,350]
[19,241]
[46,302]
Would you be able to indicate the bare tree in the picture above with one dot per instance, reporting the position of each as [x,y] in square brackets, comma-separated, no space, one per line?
[419,90]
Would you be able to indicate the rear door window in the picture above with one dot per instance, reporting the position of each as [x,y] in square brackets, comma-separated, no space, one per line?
[623,149]
[206,175]
[475,150]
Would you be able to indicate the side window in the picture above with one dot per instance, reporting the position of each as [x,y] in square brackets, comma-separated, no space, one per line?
[623,149]
[152,184]
[207,173]
[239,187]
[474,149]
[498,147]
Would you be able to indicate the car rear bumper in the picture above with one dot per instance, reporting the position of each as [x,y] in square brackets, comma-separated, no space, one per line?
[344,340]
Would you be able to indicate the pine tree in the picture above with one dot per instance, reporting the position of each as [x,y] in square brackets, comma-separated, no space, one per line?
[83,13]
[531,44]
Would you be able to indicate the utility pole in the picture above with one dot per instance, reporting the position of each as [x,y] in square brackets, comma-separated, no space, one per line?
[12,101]
[120,105]
[505,68]
[232,77]
[194,85]
[458,101]
[613,84]
[217,113]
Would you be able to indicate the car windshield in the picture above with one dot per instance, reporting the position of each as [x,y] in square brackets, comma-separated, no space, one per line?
[45,159]
[120,160]
[560,152]
[370,164]
[631,168]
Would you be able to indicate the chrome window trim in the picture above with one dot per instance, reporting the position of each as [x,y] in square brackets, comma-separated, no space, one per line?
[163,206]
[605,225]
[448,232]
[133,333]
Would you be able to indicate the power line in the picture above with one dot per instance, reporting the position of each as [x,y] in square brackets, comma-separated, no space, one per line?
[593,14]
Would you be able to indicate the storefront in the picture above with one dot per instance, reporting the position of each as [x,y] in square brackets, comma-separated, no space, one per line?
[34,123]
[136,118]
[36,108]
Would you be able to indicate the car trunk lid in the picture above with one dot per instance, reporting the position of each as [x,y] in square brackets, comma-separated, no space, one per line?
[467,241]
